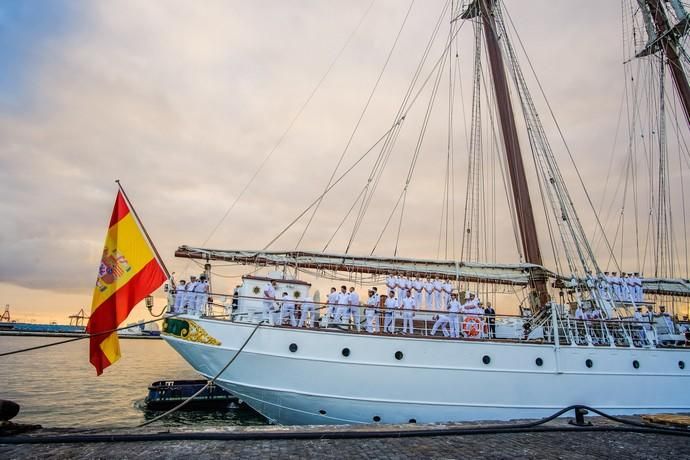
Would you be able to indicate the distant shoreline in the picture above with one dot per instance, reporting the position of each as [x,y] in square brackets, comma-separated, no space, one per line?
[69,334]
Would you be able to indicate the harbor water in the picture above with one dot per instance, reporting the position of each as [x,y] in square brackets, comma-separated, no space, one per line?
[58,388]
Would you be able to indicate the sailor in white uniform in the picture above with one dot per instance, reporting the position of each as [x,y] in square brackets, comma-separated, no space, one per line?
[640,320]
[354,308]
[180,293]
[391,305]
[637,316]
[447,288]
[377,299]
[277,310]
[438,289]
[201,295]
[269,300]
[629,288]
[342,311]
[667,325]
[429,294]
[579,313]
[391,282]
[442,322]
[408,306]
[603,286]
[332,304]
[454,315]
[370,311]
[307,307]
[638,287]
[402,287]
[189,297]
[611,294]
[417,285]
[190,300]
[287,310]
[617,286]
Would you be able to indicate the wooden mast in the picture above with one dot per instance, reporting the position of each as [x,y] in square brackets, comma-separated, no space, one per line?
[516,168]
[669,42]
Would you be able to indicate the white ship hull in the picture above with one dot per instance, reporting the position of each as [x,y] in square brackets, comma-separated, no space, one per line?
[436,380]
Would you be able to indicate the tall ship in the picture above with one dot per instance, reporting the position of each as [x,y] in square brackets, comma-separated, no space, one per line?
[581,332]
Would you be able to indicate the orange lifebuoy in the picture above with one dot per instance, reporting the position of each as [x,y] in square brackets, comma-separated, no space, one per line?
[472,326]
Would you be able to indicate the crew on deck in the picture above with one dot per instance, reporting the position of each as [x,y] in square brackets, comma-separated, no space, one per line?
[269,306]
[287,309]
[408,305]
[454,308]
[342,309]
[370,311]
[307,308]
[353,300]
[391,304]
[180,297]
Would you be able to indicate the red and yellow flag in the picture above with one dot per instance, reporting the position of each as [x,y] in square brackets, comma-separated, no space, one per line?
[129,271]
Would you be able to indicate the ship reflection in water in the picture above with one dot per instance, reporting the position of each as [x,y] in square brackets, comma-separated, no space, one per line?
[57,387]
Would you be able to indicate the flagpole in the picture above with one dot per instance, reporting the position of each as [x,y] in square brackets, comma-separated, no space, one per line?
[143,229]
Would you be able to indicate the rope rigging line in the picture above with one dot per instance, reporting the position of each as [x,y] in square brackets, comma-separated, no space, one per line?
[475,150]
[577,232]
[682,196]
[390,143]
[382,138]
[563,212]
[406,106]
[359,120]
[420,141]
[449,194]
[388,221]
[342,221]
[633,117]
[336,182]
[291,124]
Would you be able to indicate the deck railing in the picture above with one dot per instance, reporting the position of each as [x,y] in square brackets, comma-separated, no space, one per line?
[625,332]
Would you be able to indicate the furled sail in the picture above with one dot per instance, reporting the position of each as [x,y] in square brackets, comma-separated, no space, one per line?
[666,286]
[512,274]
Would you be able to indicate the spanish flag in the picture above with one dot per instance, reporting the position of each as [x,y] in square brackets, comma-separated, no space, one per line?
[129,271]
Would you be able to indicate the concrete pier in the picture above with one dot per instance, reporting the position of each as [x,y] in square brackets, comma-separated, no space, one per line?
[578,444]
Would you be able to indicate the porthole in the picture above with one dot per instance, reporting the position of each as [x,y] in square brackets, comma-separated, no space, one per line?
[589,363]
[346,352]
[398,355]
[681,364]
[322,412]
[486,359]
[293,347]
[636,364]
[377,418]
[412,420]
[539,362]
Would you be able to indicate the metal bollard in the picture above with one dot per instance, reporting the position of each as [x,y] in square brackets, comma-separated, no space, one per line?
[580,413]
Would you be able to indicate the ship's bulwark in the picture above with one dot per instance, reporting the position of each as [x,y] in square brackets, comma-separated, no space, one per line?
[436,380]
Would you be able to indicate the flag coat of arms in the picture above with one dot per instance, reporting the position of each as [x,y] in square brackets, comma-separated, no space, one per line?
[129,271]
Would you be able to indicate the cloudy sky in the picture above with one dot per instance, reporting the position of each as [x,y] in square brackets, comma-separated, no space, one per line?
[183,100]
